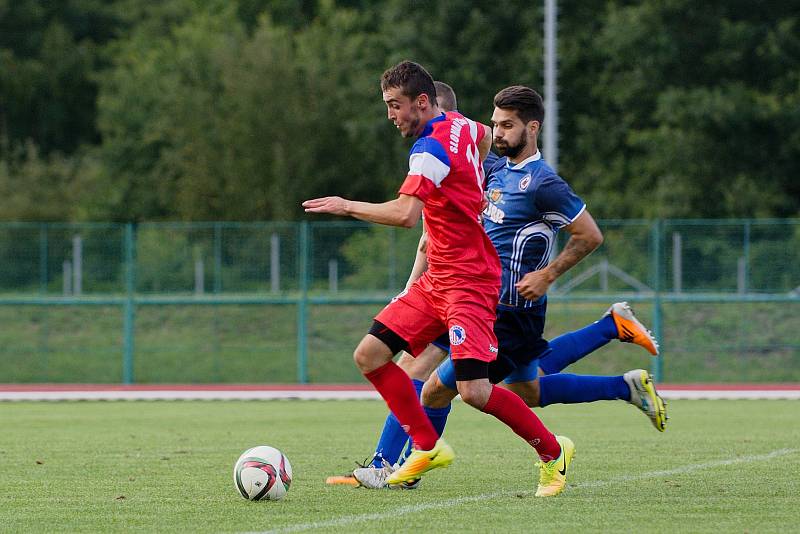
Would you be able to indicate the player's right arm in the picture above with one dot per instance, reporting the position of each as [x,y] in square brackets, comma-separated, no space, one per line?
[403,211]
[584,238]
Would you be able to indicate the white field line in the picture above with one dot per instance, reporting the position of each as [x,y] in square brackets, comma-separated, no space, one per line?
[114,395]
[349,520]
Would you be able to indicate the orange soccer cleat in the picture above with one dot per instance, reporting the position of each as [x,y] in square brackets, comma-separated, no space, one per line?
[630,329]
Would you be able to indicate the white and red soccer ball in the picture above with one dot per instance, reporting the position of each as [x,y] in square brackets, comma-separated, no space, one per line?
[262,474]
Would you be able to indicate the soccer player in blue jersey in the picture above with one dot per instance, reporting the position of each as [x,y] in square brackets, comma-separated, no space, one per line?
[528,203]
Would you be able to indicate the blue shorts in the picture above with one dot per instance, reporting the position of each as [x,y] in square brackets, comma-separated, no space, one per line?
[442,342]
[519,336]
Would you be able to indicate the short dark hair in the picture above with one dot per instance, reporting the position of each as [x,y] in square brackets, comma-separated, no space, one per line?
[445,96]
[524,100]
[411,78]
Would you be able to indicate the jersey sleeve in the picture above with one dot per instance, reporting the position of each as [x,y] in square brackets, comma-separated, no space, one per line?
[557,203]
[428,165]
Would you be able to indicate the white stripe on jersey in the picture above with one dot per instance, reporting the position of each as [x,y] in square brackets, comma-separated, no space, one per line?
[521,238]
[427,165]
[473,130]
[559,220]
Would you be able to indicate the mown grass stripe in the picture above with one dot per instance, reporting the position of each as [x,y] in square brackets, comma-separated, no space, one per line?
[403,510]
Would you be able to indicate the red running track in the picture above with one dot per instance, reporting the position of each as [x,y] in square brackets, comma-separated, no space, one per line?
[57,392]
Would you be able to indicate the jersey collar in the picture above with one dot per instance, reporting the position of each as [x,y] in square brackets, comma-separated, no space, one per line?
[520,165]
[429,126]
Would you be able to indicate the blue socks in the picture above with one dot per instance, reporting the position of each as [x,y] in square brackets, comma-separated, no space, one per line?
[565,388]
[438,417]
[571,347]
[393,437]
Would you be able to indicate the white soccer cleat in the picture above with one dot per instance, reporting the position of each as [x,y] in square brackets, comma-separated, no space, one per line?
[372,477]
[645,397]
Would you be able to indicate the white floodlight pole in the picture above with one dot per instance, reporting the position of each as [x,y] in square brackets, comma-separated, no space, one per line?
[550,127]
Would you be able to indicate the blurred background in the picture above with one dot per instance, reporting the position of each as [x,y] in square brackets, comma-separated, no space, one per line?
[153,156]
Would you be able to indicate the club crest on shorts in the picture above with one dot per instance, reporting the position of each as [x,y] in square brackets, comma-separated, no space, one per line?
[457,335]
[525,182]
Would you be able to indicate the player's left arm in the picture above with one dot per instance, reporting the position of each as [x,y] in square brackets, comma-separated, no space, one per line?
[420,260]
[584,238]
[485,144]
[403,211]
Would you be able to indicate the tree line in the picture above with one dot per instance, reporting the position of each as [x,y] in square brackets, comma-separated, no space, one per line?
[127,110]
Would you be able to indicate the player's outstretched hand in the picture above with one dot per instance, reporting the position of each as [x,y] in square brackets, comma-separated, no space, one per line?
[333,205]
[534,284]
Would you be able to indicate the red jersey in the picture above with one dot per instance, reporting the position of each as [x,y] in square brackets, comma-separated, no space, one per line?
[445,172]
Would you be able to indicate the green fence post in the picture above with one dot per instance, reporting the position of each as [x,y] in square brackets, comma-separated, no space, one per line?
[129,306]
[656,363]
[217,258]
[302,303]
[43,246]
[746,254]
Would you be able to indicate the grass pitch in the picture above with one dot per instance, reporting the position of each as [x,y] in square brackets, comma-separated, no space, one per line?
[166,467]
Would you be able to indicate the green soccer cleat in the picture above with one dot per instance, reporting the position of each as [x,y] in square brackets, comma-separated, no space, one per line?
[419,462]
[645,397]
[553,474]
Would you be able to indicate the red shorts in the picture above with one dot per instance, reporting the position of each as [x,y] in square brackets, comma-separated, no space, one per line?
[423,313]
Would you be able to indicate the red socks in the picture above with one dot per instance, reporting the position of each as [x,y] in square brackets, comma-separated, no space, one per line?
[512,410]
[397,390]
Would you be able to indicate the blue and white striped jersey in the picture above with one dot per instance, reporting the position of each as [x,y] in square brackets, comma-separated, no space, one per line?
[527,204]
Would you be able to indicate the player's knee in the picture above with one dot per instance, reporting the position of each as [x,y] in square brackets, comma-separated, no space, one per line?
[435,394]
[475,392]
[369,356]
[362,359]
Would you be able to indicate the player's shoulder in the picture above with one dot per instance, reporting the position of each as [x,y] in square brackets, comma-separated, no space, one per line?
[542,174]
[430,145]
[494,164]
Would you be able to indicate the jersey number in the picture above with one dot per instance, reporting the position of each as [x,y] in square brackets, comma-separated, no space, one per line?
[472,157]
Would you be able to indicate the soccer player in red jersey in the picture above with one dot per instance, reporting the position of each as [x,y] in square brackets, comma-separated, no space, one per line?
[459,291]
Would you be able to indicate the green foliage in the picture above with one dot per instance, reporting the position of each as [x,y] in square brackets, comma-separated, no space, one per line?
[195,110]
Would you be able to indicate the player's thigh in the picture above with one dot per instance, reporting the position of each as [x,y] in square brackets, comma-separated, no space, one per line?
[413,318]
[421,367]
[470,324]
[519,336]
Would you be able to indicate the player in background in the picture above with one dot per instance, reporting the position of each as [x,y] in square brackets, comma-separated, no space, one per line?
[459,290]
[519,351]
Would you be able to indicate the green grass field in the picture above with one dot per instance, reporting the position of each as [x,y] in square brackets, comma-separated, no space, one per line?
[722,466]
[745,342]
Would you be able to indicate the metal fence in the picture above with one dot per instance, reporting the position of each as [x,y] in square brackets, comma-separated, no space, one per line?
[284,302]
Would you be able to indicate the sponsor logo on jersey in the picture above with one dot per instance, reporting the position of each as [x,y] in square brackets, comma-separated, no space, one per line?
[495,195]
[525,182]
[457,335]
[494,214]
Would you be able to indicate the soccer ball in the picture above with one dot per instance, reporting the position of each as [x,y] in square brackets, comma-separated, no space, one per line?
[262,473]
